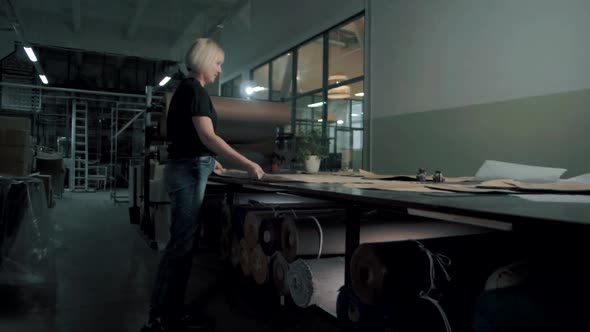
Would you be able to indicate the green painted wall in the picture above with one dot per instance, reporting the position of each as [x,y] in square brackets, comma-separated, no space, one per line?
[551,130]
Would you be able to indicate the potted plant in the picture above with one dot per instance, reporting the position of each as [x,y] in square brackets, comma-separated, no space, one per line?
[310,148]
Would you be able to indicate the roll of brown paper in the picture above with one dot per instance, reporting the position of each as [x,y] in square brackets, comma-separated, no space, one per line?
[302,235]
[252,110]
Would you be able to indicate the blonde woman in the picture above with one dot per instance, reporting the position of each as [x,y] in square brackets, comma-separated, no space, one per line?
[193,146]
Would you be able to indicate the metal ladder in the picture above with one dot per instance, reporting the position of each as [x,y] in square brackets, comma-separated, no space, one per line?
[79,170]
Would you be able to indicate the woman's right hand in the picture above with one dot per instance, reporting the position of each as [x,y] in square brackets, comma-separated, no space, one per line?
[255,171]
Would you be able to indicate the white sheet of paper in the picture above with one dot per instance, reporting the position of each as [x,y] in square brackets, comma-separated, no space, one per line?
[492,169]
[584,178]
[550,198]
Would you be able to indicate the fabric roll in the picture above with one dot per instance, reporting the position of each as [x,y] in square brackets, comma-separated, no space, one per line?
[353,315]
[235,252]
[259,265]
[280,268]
[419,314]
[508,276]
[228,240]
[312,233]
[252,223]
[389,270]
[316,282]
[269,235]
[514,309]
[245,258]
[395,271]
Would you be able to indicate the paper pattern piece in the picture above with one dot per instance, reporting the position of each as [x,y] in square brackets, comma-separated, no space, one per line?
[584,178]
[492,169]
[469,189]
[392,185]
[552,198]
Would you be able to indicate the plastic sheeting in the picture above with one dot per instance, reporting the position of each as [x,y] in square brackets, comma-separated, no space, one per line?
[26,233]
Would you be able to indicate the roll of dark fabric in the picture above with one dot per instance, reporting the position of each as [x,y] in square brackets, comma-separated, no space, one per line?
[353,315]
[397,271]
[389,271]
[419,314]
[269,235]
[545,292]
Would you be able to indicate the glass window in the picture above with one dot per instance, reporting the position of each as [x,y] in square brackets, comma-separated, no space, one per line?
[260,78]
[310,65]
[227,89]
[308,113]
[346,45]
[236,86]
[232,87]
[282,76]
[345,125]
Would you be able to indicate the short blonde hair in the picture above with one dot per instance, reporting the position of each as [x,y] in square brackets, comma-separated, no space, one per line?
[203,53]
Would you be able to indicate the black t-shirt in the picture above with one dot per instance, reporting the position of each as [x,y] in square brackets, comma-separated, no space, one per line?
[190,99]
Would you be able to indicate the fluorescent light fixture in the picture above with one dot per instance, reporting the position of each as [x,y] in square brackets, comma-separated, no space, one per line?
[318,104]
[250,90]
[30,54]
[355,114]
[320,120]
[340,122]
[43,79]
[164,81]
[360,94]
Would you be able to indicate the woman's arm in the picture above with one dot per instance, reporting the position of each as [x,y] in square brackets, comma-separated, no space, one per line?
[207,134]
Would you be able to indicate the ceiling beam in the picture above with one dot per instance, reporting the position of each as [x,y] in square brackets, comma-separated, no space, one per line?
[140,6]
[194,27]
[76,19]
[13,12]
[233,10]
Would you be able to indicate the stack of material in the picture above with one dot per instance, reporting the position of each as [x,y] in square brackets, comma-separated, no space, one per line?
[252,233]
[420,278]
[285,246]
[15,146]
[26,233]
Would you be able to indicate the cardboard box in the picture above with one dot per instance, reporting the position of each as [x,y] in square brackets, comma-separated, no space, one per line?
[14,154]
[15,160]
[15,122]
[15,169]
[15,137]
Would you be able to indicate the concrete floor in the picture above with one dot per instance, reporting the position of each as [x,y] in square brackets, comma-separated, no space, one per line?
[105,273]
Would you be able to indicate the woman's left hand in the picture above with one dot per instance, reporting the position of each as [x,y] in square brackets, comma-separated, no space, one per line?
[218,167]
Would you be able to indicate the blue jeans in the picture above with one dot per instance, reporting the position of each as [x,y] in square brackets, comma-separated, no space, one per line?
[185,181]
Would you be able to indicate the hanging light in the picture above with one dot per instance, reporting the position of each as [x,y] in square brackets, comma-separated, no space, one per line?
[339,92]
